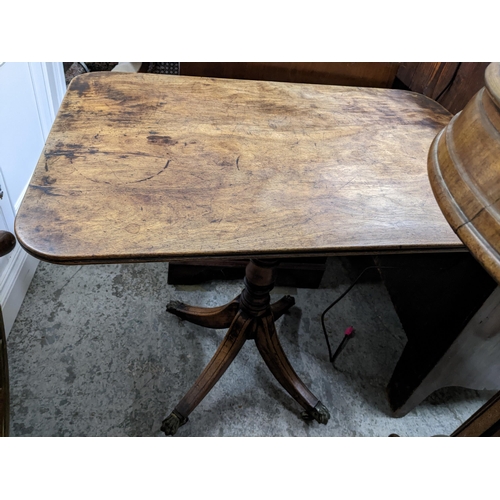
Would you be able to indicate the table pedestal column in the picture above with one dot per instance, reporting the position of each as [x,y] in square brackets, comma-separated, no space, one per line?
[249,316]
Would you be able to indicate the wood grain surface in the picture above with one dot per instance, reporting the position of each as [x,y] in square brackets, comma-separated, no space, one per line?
[451,84]
[143,167]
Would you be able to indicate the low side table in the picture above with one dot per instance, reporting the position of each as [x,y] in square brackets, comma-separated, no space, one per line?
[142,167]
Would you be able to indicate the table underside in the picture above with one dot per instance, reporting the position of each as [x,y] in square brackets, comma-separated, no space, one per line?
[142,167]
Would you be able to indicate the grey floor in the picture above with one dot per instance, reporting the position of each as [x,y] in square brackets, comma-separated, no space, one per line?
[93,353]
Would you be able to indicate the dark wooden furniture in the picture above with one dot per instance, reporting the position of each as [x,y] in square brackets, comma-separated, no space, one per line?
[464,172]
[452,84]
[305,272]
[445,304]
[141,167]
[359,74]
[7,244]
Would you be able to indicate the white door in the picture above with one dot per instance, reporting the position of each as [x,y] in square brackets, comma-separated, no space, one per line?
[30,95]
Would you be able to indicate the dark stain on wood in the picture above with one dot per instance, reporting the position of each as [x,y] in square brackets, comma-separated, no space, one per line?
[80,85]
[46,190]
[60,144]
[271,107]
[70,155]
[116,95]
[161,139]
[66,150]
[48,180]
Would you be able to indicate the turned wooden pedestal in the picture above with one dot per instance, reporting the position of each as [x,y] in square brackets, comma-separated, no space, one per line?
[250,316]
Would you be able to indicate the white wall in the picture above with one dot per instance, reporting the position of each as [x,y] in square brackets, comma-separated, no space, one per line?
[30,95]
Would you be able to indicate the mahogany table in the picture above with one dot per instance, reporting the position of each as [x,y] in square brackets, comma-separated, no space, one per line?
[142,167]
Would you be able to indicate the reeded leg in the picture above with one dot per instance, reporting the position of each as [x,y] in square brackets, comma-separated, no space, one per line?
[281,306]
[223,357]
[275,358]
[211,317]
[249,316]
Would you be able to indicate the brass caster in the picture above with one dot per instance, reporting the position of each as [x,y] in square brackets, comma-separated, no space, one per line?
[170,425]
[174,305]
[319,413]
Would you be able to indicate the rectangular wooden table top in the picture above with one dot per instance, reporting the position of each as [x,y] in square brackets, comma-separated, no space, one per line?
[142,167]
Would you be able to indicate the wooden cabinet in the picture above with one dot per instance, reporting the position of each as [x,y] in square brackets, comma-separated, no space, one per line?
[361,74]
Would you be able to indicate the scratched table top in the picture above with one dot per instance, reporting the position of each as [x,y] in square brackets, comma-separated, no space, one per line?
[142,167]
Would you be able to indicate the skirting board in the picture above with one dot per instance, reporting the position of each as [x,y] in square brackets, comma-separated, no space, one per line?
[13,287]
